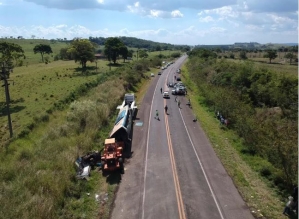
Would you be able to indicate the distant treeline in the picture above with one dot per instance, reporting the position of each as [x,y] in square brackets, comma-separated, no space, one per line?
[142,44]
[261,106]
[250,47]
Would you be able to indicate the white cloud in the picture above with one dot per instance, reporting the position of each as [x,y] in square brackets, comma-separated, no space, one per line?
[245,5]
[136,8]
[254,27]
[216,30]
[156,13]
[176,14]
[223,12]
[206,19]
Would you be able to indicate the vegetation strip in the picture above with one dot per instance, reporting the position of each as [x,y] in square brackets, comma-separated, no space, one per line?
[255,189]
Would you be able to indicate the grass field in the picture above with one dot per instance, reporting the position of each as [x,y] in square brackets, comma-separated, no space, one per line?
[279,65]
[28,45]
[37,171]
[35,89]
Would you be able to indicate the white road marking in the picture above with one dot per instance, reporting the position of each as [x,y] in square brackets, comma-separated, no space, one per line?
[201,166]
[146,153]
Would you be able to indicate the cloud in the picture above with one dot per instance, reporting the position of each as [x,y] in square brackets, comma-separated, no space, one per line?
[223,12]
[121,5]
[272,5]
[206,19]
[176,14]
[137,8]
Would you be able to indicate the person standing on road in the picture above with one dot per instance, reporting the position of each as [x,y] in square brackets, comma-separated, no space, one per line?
[166,108]
[179,104]
[161,90]
[157,115]
[175,99]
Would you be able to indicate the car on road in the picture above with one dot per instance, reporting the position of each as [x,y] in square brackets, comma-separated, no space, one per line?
[152,75]
[166,94]
[181,91]
[159,73]
[170,85]
[178,79]
[178,71]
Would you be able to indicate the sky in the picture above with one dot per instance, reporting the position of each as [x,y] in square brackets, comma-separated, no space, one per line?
[179,22]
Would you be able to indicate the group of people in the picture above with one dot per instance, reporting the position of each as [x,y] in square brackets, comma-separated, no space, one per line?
[220,117]
[292,203]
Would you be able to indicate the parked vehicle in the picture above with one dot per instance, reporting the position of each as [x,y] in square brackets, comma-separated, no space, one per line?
[170,85]
[117,145]
[112,156]
[166,94]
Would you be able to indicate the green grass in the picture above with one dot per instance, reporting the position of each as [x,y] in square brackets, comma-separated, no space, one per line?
[28,45]
[37,172]
[279,64]
[257,192]
[35,89]
[282,68]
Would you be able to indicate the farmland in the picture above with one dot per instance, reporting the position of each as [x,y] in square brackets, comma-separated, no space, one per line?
[48,101]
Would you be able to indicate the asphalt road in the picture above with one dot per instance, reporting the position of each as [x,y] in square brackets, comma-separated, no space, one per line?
[173,171]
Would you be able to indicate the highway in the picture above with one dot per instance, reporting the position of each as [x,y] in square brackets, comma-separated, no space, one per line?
[174,171]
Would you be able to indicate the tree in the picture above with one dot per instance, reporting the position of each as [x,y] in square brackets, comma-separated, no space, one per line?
[124,52]
[64,55]
[243,54]
[82,50]
[143,54]
[42,49]
[290,56]
[271,54]
[113,48]
[10,52]
[158,48]
[130,53]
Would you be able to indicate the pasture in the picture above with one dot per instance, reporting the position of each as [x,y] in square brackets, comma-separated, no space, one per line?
[35,89]
[279,64]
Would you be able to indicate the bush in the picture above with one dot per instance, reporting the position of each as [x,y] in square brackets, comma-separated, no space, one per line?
[57,57]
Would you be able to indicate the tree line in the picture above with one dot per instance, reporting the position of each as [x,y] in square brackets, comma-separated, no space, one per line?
[261,106]
[148,45]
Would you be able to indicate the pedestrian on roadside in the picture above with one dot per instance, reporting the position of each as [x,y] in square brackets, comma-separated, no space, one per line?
[157,115]
[289,205]
[161,90]
[179,104]
[166,108]
[175,99]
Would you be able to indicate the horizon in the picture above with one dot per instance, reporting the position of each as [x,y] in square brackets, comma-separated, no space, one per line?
[62,39]
[174,22]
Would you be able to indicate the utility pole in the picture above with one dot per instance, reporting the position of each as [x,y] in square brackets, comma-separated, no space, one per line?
[4,76]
